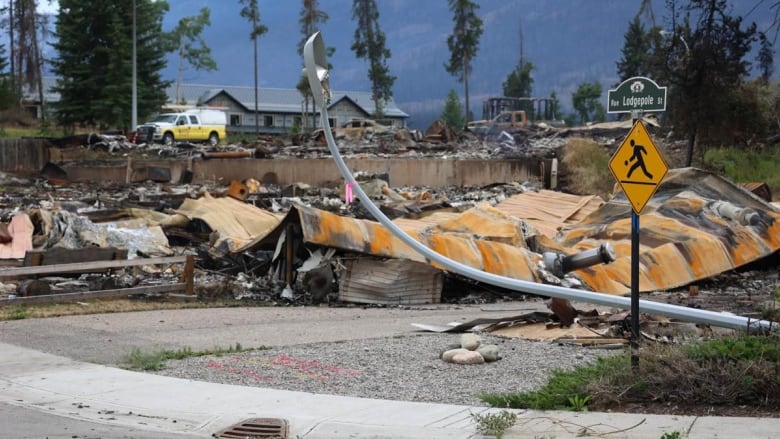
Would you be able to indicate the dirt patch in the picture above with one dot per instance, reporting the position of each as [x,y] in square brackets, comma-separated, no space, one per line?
[680,409]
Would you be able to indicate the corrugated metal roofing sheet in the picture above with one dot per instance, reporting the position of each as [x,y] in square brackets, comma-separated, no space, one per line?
[683,237]
[390,281]
[238,224]
[549,211]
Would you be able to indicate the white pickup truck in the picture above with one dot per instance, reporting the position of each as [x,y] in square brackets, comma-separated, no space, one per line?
[196,125]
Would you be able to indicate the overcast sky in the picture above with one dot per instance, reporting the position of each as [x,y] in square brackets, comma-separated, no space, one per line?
[48,6]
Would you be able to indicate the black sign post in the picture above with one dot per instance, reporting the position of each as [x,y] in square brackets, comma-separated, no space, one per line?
[636,95]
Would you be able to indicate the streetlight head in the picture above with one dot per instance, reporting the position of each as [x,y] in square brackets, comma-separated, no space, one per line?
[316,62]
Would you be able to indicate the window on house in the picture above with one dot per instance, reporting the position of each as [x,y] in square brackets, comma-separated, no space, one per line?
[268,121]
[235,120]
[332,122]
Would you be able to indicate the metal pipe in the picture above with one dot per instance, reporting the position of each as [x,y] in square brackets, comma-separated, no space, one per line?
[744,216]
[678,312]
[603,254]
[560,264]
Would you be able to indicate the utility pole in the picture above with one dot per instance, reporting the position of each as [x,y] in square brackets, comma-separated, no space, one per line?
[257,120]
[134,117]
[13,50]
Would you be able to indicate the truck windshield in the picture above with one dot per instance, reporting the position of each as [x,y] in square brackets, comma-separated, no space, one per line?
[165,118]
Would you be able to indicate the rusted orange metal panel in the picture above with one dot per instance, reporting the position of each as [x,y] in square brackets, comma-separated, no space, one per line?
[488,223]
[683,236]
[508,261]
[456,248]
[331,230]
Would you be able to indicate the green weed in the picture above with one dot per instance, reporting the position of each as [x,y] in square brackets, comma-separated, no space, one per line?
[137,359]
[140,360]
[16,313]
[579,403]
[494,424]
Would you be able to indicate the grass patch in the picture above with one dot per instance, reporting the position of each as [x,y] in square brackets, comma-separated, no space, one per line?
[747,165]
[138,359]
[586,167]
[566,390]
[728,372]
[111,306]
[15,313]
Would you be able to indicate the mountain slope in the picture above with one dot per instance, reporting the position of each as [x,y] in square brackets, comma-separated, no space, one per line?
[568,41]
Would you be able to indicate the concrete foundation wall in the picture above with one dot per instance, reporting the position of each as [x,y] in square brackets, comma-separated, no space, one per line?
[401,172]
[30,155]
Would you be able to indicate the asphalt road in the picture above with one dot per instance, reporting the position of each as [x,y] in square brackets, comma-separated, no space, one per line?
[20,423]
[106,338]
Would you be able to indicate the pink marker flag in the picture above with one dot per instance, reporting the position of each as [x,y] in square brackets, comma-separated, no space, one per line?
[348,197]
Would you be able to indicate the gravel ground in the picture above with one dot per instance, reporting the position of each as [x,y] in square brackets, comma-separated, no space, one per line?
[405,368]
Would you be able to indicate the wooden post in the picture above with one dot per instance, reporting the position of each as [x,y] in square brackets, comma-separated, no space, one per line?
[288,272]
[129,170]
[188,275]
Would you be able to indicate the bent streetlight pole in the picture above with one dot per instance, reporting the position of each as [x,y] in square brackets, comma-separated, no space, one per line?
[316,69]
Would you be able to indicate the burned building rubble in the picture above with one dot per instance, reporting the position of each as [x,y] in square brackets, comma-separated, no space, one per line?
[301,243]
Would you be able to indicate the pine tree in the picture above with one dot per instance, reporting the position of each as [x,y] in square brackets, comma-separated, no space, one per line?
[28,27]
[251,12]
[453,111]
[369,43]
[6,90]
[637,51]
[519,84]
[703,59]
[463,43]
[192,48]
[3,60]
[93,62]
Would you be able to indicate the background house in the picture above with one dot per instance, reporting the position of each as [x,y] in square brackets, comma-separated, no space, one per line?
[280,110]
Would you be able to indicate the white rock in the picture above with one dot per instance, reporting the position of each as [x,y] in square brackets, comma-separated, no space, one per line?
[468,357]
[447,355]
[489,352]
[470,341]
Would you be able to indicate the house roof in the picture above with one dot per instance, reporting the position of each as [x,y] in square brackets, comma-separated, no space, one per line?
[275,100]
[31,93]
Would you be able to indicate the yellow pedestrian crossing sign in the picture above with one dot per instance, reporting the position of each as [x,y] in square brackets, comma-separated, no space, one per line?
[638,167]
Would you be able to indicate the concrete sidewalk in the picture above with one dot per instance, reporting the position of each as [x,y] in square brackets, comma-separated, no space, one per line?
[108,396]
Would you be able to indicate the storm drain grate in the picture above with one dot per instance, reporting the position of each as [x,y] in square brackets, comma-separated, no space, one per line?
[276,428]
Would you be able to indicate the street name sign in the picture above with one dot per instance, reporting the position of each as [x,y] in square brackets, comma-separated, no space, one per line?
[636,94]
[638,167]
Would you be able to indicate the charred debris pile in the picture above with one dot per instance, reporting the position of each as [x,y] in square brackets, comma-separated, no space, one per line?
[301,244]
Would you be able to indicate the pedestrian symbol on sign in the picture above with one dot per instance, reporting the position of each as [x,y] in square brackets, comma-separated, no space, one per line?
[640,161]
[638,167]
